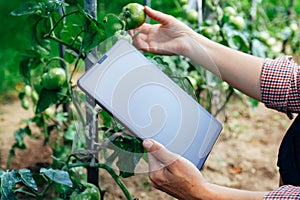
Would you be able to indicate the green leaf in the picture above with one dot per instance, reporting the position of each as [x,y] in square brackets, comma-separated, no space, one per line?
[61,117]
[286,33]
[47,99]
[235,39]
[36,55]
[94,32]
[106,118]
[41,28]
[25,70]
[38,120]
[109,121]
[112,24]
[58,176]
[129,152]
[70,133]
[240,42]
[31,54]
[1,173]
[27,178]
[72,37]
[31,60]
[8,182]
[93,36]
[27,9]
[162,65]
[19,137]
[253,103]
[52,5]
[185,84]
[43,9]
[258,48]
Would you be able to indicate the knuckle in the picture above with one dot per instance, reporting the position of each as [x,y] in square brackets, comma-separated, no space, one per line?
[156,178]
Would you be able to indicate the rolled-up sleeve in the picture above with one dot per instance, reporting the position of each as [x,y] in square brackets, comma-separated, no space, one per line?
[280,84]
[284,192]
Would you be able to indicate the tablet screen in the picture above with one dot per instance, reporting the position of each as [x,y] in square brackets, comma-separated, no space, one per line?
[150,104]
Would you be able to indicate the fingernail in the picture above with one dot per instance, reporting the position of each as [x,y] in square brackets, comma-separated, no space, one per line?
[147,144]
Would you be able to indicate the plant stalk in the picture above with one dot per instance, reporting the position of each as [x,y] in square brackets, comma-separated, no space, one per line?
[113,174]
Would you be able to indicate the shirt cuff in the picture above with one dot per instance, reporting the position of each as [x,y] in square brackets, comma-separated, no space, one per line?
[276,82]
[284,192]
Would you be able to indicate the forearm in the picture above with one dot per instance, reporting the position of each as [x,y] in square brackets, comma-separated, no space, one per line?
[240,70]
[217,192]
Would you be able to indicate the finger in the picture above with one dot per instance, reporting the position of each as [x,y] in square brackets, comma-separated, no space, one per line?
[144,28]
[159,152]
[140,43]
[158,16]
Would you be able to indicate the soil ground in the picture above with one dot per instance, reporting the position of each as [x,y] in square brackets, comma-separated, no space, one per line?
[244,156]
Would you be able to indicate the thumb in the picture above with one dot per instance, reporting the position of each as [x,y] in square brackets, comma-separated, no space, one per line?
[159,152]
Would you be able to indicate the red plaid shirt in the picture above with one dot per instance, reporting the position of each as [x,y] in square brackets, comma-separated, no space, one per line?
[280,84]
[284,192]
[280,90]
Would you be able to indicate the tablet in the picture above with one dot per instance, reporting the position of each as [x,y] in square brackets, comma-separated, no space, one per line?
[149,104]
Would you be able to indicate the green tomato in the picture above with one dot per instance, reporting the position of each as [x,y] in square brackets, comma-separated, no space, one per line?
[277,48]
[25,103]
[27,90]
[117,26]
[34,97]
[193,81]
[237,21]
[294,26]
[133,15]
[91,192]
[229,11]
[50,112]
[183,1]
[216,28]
[208,31]
[62,189]
[192,15]
[271,41]
[54,79]
[264,36]
[186,7]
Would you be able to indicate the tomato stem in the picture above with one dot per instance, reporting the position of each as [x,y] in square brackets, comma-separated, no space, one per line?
[56,58]
[60,19]
[113,174]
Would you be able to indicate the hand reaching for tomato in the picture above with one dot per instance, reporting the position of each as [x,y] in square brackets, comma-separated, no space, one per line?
[169,37]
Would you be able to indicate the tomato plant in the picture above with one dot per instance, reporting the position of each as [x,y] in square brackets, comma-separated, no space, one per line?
[49,89]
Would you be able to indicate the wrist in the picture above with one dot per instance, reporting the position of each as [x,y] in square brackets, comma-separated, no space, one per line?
[203,192]
[203,51]
[188,43]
